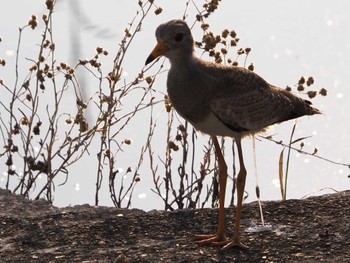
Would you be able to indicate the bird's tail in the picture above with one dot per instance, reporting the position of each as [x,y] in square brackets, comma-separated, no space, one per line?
[310,109]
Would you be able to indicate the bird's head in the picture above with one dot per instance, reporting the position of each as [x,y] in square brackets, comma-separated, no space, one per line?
[174,39]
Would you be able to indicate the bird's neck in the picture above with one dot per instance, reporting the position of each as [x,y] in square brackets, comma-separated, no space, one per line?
[183,59]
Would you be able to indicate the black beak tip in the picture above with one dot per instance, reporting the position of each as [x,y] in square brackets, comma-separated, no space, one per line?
[149,59]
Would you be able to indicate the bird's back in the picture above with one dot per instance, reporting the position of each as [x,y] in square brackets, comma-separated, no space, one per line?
[245,102]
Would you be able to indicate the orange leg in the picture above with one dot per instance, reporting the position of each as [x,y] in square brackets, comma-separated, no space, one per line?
[240,191]
[220,237]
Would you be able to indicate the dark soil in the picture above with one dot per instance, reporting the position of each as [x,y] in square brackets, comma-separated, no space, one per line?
[310,230]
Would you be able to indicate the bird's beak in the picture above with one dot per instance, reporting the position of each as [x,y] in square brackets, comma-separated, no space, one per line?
[159,50]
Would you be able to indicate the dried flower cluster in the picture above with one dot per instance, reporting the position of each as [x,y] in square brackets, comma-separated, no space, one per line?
[304,83]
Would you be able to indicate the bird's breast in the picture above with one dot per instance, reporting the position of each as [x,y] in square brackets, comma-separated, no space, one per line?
[188,95]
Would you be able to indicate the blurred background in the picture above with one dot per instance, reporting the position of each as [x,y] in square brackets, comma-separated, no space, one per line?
[289,39]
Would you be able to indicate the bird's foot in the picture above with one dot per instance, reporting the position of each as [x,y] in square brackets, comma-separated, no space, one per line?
[219,240]
[216,240]
[234,243]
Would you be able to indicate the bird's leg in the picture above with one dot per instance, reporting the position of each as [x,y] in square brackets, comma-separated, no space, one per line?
[220,237]
[240,191]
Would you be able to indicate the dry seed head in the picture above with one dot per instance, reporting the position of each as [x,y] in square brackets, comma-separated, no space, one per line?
[167,103]
[178,137]
[225,33]
[218,60]
[127,33]
[310,81]
[108,152]
[94,63]
[11,172]
[14,149]
[312,94]
[127,141]
[209,41]
[25,84]
[68,121]
[99,50]
[323,92]
[240,51]
[45,18]
[63,65]
[49,4]
[300,87]
[2,62]
[46,43]
[251,67]
[29,97]
[288,88]
[83,125]
[33,68]
[52,46]
[233,43]
[198,44]
[83,62]
[149,80]
[181,128]
[205,26]
[173,146]
[224,51]
[158,10]
[24,121]
[233,34]
[42,59]
[36,129]
[9,161]
[33,22]
[301,81]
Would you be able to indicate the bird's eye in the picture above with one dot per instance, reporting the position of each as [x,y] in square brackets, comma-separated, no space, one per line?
[179,37]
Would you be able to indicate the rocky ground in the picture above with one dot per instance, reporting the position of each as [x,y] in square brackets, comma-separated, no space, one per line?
[316,229]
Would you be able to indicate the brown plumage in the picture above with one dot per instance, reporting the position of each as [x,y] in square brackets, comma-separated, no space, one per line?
[222,100]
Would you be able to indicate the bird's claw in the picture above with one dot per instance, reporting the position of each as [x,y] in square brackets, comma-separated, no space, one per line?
[217,240]
[233,243]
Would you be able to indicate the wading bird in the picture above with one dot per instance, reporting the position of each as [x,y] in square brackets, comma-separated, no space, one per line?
[222,100]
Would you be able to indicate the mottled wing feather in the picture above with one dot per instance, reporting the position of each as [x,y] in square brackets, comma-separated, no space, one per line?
[243,101]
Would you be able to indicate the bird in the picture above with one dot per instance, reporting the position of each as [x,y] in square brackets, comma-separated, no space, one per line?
[222,101]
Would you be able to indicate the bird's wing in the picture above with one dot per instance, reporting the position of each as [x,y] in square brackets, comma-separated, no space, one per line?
[243,101]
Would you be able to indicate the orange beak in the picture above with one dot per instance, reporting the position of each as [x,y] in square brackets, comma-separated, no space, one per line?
[159,50]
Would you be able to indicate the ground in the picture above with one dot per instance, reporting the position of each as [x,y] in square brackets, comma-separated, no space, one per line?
[310,230]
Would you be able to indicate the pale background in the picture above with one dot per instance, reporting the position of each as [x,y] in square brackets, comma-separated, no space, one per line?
[288,39]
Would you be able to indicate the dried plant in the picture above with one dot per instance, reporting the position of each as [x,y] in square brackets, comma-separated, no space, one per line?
[43,139]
